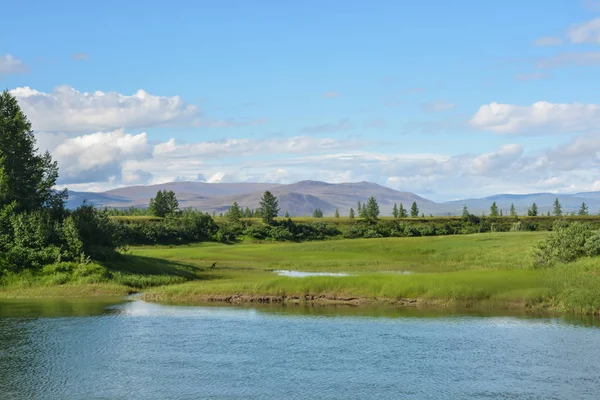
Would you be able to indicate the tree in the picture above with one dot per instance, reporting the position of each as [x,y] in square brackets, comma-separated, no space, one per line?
[268,207]
[317,213]
[513,212]
[557,210]
[157,205]
[287,214]
[583,210]
[359,208]
[171,202]
[414,210]
[371,209]
[235,213]
[465,212]
[337,213]
[164,204]
[395,212]
[501,213]
[494,210]
[533,211]
[27,178]
[351,215]
[402,211]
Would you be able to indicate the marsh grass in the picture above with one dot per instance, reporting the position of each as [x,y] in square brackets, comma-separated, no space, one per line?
[490,251]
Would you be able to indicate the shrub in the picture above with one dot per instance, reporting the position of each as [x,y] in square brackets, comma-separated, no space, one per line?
[564,244]
[592,245]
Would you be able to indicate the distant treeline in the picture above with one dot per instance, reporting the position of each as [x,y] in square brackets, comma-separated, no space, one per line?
[196,226]
[164,223]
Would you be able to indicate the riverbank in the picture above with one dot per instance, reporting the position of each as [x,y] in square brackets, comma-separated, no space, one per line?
[487,271]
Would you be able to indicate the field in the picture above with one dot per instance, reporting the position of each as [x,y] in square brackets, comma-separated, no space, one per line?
[492,270]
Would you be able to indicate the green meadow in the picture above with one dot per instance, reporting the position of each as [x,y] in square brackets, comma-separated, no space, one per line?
[492,270]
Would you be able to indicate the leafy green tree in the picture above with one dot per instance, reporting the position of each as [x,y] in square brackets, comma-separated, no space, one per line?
[395,211]
[494,210]
[583,210]
[317,213]
[501,213]
[268,207]
[235,213]
[287,214]
[359,209]
[414,210]
[557,209]
[371,209]
[337,213]
[351,215]
[513,212]
[26,178]
[533,211]
[402,211]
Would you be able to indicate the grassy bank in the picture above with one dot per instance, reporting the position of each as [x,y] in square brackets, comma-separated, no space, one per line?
[492,270]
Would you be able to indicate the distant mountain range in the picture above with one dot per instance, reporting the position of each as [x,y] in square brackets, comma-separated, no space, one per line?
[302,198]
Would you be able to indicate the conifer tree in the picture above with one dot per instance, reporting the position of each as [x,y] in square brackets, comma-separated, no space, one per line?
[402,211]
[414,210]
[268,207]
[234,213]
[557,210]
[493,210]
[371,209]
[351,215]
[395,212]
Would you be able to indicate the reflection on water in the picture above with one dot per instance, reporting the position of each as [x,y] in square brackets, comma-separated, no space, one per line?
[84,349]
[303,274]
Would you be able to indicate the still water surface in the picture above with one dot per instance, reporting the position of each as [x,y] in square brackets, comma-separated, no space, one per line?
[123,350]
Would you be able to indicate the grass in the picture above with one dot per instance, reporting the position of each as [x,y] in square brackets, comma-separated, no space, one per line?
[492,270]
[422,254]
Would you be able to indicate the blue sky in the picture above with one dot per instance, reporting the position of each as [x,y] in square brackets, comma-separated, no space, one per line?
[444,99]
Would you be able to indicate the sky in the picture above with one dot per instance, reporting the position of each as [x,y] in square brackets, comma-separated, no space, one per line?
[444,99]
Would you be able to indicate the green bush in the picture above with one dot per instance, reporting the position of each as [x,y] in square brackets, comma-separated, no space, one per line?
[566,243]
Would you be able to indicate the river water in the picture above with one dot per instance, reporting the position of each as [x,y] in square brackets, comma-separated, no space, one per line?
[92,349]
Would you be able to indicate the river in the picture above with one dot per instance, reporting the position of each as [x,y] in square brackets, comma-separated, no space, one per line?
[115,349]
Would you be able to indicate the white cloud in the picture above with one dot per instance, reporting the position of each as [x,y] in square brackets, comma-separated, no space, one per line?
[96,157]
[497,161]
[539,118]
[570,59]
[80,56]
[531,76]
[331,127]
[548,41]
[68,110]
[437,106]
[587,32]
[249,147]
[11,65]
